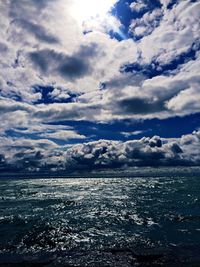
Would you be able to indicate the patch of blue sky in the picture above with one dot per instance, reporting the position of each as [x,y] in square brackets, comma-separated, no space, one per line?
[168,128]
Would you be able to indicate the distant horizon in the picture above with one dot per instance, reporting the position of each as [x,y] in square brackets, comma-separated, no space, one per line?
[131,172]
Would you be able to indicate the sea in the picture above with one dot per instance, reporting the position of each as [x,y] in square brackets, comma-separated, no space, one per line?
[144,218]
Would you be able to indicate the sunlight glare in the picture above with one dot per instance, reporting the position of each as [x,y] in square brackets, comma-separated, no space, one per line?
[83,10]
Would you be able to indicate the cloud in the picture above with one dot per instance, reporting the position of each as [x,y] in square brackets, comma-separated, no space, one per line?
[144,26]
[3,48]
[138,6]
[38,31]
[38,53]
[145,152]
[71,67]
[140,106]
[63,135]
[129,134]
[153,151]
[152,72]
[187,99]
[177,32]
[41,155]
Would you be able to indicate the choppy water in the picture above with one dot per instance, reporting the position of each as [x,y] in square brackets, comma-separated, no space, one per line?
[100,222]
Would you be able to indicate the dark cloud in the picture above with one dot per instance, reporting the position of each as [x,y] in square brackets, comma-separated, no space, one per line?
[155,142]
[176,148]
[140,106]
[69,67]
[3,47]
[28,157]
[36,30]
[58,112]
[24,8]
[25,161]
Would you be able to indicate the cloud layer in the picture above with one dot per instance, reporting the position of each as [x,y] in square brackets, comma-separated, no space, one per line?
[56,68]
[43,155]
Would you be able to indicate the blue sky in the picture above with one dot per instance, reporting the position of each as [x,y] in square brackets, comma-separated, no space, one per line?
[99,84]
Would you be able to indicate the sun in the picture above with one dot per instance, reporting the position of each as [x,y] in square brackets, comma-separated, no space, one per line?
[83,10]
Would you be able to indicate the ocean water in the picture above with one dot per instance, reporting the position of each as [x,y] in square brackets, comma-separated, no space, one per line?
[140,221]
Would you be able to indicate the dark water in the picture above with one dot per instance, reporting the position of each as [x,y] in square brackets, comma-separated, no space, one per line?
[100,222]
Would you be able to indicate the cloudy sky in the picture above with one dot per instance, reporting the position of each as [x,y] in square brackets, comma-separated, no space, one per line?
[99,84]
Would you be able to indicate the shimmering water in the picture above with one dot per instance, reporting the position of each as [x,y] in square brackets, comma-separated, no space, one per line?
[100,222]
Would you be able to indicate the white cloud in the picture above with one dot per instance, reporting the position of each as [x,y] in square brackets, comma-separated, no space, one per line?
[129,134]
[138,5]
[178,31]
[63,135]
[145,25]
[187,100]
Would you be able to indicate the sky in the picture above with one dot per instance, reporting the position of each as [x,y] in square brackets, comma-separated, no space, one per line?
[86,85]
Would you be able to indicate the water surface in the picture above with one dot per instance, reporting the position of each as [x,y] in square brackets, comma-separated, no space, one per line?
[144,221]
